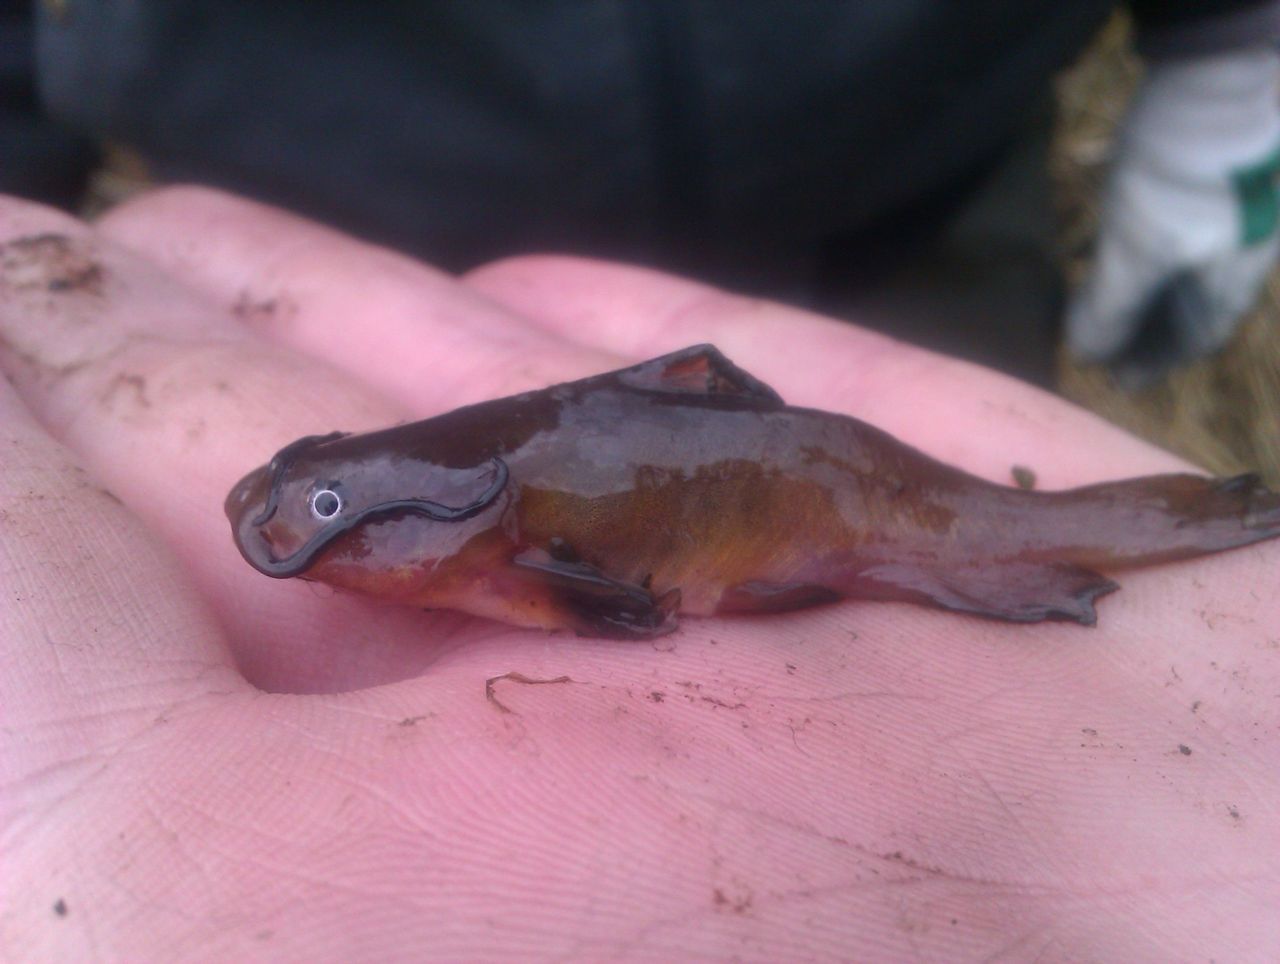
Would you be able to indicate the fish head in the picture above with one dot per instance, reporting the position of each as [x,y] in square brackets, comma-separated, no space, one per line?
[362,511]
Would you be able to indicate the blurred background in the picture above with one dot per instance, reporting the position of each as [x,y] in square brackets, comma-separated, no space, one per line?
[936,171]
[1222,412]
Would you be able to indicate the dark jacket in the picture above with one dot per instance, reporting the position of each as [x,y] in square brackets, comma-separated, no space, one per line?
[688,134]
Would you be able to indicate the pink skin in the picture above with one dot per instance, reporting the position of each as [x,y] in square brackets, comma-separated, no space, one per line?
[861,781]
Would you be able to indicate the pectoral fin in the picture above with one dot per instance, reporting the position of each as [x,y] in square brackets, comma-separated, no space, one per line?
[1023,592]
[699,370]
[594,604]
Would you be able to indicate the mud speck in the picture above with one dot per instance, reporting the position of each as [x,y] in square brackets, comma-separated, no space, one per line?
[262,311]
[737,904]
[1023,477]
[60,907]
[1184,749]
[134,385]
[898,857]
[657,697]
[56,263]
[490,687]
[722,704]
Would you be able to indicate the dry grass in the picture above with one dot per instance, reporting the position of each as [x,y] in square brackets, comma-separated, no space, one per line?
[1222,413]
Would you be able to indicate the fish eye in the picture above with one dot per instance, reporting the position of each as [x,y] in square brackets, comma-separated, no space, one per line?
[326,502]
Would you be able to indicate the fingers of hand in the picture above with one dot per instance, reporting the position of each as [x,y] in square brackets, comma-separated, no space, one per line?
[395,323]
[99,629]
[433,344]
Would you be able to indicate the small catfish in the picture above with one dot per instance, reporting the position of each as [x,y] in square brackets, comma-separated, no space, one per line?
[683,484]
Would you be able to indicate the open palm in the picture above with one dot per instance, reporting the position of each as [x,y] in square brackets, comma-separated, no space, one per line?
[202,763]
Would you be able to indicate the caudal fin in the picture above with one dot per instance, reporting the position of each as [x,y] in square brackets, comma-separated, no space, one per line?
[1160,518]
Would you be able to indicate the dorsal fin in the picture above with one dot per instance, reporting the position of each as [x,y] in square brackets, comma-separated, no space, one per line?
[698,370]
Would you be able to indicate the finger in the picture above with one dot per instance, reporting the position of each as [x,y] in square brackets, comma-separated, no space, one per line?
[100,632]
[961,413]
[168,403]
[387,319]
[612,312]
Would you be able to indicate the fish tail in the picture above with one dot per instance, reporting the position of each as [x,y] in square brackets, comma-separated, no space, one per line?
[1161,518]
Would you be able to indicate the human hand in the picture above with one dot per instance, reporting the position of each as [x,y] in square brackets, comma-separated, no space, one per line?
[199,762]
[1189,223]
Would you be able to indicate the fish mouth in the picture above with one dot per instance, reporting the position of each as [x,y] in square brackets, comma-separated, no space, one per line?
[244,505]
[249,508]
[247,497]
